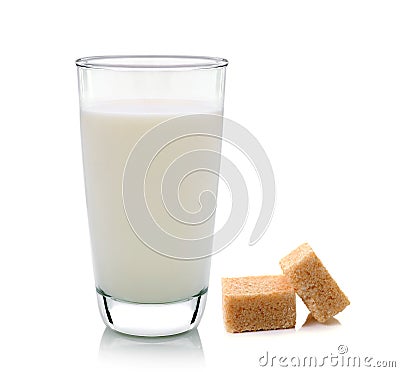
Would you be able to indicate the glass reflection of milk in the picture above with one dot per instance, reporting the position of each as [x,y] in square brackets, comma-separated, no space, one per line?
[124,267]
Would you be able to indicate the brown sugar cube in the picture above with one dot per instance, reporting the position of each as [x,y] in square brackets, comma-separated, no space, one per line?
[256,303]
[313,283]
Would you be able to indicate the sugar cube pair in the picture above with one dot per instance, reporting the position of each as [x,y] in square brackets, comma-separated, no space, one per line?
[268,302]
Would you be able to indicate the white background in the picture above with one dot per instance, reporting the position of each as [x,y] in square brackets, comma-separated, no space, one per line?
[318,83]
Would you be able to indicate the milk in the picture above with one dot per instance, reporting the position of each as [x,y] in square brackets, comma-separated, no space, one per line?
[124,267]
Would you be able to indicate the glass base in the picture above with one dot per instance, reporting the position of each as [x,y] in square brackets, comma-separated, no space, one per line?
[152,320]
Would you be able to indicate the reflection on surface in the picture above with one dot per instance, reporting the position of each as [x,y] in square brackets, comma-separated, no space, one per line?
[184,350]
[312,323]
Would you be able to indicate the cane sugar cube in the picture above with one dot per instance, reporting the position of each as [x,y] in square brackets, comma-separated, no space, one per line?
[256,303]
[313,283]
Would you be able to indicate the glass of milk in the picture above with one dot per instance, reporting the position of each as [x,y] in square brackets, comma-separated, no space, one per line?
[141,291]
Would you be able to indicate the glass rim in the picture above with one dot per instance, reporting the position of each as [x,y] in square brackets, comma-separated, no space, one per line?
[151,62]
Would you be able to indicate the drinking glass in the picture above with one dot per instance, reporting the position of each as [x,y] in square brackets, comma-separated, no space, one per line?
[124,101]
